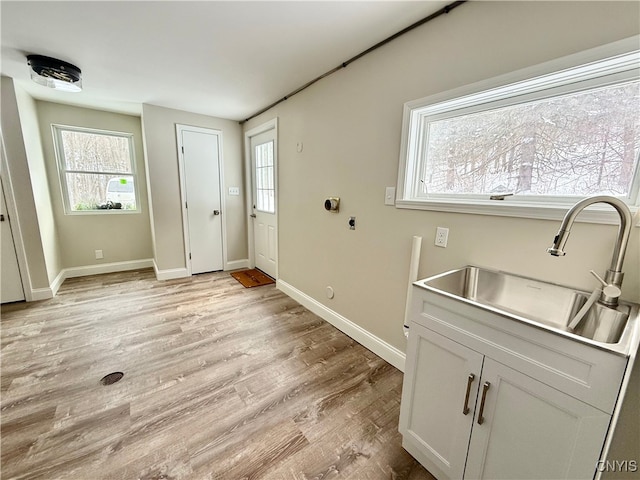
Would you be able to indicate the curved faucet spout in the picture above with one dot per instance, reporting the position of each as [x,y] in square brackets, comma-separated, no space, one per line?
[614,274]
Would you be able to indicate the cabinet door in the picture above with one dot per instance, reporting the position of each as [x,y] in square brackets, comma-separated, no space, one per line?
[532,431]
[433,420]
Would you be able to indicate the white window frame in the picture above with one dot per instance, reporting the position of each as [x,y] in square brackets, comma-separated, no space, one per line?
[57,130]
[607,65]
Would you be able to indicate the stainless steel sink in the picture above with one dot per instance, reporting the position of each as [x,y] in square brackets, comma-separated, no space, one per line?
[544,304]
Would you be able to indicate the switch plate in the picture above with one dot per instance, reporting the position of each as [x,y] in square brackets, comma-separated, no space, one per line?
[99,254]
[390,196]
[442,235]
[234,190]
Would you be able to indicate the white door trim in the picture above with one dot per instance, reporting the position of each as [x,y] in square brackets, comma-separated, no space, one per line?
[265,127]
[183,193]
[12,211]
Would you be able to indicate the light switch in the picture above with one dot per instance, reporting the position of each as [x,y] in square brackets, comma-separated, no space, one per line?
[390,196]
[234,190]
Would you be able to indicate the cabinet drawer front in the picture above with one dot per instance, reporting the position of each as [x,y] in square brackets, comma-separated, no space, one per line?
[589,374]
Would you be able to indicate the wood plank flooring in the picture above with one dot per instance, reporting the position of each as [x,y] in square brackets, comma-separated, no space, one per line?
[221,382]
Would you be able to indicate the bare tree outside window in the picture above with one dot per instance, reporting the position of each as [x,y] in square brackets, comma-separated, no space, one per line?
[97,169]
[579,144]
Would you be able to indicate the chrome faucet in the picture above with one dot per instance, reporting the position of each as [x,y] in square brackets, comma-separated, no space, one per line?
[613,278]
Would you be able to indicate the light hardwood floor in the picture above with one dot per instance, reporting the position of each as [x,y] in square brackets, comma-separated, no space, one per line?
[221,382]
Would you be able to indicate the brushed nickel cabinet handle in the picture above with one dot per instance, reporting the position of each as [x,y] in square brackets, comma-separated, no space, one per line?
[485,389]
[470,380]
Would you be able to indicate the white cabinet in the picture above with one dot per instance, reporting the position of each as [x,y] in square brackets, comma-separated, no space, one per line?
[433,399]
[531,430]
[470,412]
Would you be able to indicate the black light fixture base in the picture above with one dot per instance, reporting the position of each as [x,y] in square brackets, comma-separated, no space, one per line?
[55,73]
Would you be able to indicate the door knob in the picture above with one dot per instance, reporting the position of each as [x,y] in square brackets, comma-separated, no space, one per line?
[253,215]
[216,212]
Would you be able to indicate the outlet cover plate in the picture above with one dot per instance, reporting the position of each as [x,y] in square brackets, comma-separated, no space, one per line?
[442,235]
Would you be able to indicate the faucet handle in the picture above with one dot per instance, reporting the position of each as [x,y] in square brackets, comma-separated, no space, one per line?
[608,289]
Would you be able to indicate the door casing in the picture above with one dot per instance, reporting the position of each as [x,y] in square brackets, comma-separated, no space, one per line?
[12,211]
[270,125]
[14,291]
[183,193]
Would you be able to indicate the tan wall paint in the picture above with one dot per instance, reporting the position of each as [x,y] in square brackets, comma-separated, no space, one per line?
[121,237]
[350,126]
[162,163]
[24,185]
[49,234]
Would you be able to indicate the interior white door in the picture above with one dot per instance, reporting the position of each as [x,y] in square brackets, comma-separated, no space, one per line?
[201,159]
[265,215]
[10,282]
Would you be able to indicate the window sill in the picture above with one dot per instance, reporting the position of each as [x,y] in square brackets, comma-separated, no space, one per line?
[601,214]
[112,211]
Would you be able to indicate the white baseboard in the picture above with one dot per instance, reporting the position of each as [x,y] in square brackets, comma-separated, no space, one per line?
[381,348]
[57,282]
[52,290]
[40,294]
[236,264]
[170,273]
[107,268]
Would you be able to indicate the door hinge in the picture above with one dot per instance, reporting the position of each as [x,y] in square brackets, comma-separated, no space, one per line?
[182,149]
[185,205]
[189,256]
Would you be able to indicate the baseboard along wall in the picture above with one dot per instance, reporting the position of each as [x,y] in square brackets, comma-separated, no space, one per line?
[378,346]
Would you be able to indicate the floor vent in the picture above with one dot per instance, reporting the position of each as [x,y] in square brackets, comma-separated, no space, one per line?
[111,378]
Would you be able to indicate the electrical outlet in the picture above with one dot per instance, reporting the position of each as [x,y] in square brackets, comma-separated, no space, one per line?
[99,254]
[442,235]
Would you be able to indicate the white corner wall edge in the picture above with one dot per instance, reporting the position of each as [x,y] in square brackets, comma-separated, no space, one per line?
[381,348]
[236,264]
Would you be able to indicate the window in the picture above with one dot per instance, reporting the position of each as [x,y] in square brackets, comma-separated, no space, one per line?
[265,183]
[97,170]
[542,142]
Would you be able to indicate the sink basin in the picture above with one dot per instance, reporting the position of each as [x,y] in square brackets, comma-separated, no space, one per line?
[543,304]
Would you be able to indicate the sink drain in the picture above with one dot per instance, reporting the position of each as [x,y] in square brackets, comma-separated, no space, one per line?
[111,378]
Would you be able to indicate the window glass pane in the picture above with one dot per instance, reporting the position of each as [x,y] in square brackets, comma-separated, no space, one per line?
[92,152]
[581,144]
[100,192]
[97,170]
[265,178]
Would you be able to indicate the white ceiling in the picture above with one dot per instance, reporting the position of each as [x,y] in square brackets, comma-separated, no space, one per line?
[225,59]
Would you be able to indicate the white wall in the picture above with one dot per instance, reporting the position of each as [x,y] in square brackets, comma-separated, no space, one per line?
[350,126]
[121,237]
[30,189]
[159,130]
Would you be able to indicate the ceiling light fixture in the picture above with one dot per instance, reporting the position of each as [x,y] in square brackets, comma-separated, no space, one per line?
[54,73]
